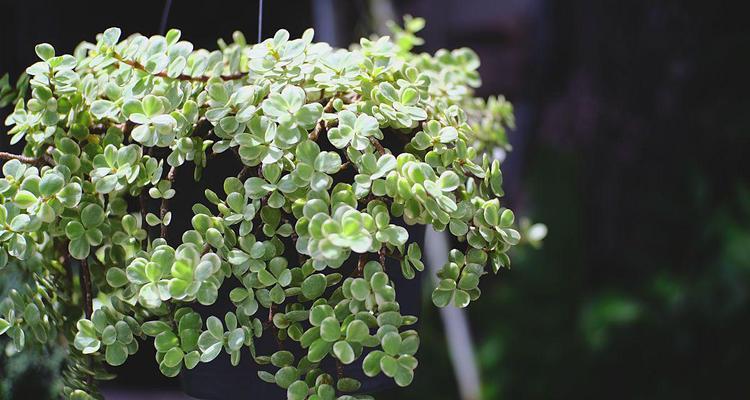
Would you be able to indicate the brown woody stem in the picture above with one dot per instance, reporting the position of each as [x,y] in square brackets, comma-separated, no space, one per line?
[379,147]
[142,204]
[393,255]
[244,173]
[339,369]
[24,159]
[85,277]
[321,125]
[181,77]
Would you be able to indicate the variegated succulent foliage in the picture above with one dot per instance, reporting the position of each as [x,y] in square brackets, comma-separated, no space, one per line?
[84,210]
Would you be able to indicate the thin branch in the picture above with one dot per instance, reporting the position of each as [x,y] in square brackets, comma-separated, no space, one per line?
[339,369]
[47,157]
[202,128]
[371,197]
[361,263]
[126,127]
[171,175]
[294,237]
[329,106]
[181,77]
[271,312]
[352,98]
[379,147]
[65,261]
[468,173]
[391,254]
[142,201]
[360,269]
[321,125]
[244,173]
[88,305]
[471,175]
[129,125]
[85,277]
[24,159]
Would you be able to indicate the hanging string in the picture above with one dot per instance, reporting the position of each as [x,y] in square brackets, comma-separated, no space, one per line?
[164,17]
[260,20]
[168,6]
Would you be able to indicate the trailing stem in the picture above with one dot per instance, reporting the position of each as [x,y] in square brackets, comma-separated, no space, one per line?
[24,159]
[181,77]
[171,175]
[85,277]
[142,202]
[321,125]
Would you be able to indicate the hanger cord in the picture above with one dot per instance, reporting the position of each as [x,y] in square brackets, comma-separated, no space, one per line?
[260,20]
[165,17]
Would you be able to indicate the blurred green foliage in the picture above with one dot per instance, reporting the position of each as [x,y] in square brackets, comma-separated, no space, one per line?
[31,375]
[638,165]
[656,325]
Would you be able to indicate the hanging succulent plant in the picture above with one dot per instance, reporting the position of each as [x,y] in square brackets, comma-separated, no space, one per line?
[107,129]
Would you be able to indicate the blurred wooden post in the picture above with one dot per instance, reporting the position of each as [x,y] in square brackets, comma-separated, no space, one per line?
[455,323]
[383,11]
[325,18]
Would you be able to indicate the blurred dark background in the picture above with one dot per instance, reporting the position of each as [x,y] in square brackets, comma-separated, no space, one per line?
[631,146]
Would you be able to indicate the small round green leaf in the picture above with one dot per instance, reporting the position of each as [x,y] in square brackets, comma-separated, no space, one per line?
[297,391]
[360,289]
[357,331]
[286,376]
[173,357]
[330,329]
[116,354]
[313,286]
[343,351]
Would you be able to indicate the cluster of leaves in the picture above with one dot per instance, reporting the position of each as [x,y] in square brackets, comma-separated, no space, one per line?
[113,122]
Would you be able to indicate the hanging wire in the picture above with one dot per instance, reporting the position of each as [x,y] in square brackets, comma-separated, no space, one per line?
[168,6]
[165,17]
[260,20]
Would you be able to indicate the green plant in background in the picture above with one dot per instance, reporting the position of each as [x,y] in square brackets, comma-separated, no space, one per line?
[107,129]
